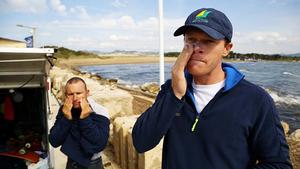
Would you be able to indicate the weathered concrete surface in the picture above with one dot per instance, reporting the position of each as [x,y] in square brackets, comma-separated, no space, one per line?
[294,144]
[125,153]
[121,126]
[141,103]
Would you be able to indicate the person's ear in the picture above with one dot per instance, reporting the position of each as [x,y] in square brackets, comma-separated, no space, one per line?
[87,92]
[227,48]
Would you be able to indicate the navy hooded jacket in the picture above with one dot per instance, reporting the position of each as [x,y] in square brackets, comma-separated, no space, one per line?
[238,129]
[80,139]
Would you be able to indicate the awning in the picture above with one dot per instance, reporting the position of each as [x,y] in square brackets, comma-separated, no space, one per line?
[24,67]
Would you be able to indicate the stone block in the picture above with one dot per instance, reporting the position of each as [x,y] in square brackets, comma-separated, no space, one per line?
[151,159]
[128,125]
[294,145]
[131,153]
[286,127]
[122,125]
[118,102]
[117,125]
[141,103]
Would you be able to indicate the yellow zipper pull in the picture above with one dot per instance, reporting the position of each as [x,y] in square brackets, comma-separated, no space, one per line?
[195,123]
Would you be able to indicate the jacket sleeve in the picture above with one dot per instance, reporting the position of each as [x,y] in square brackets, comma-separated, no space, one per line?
[154,123]
[59,130]
[94,133]
[269,143]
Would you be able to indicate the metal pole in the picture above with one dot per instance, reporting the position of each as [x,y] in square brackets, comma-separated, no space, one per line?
[33,29]
[33,37]
[161,43]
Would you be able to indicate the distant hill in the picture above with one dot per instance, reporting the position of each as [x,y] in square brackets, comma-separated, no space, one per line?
[66,53]
[293,55]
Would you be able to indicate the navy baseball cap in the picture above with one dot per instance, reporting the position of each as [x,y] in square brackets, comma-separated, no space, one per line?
[213,22]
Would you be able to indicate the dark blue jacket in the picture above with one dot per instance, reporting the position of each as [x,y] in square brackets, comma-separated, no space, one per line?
[237,128]
[80,139]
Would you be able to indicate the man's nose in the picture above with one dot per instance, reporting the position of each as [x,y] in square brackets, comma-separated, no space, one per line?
[76,96]
[198,47]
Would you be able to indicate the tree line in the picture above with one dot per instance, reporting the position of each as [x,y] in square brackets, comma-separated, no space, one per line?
[250,56]
[63,52]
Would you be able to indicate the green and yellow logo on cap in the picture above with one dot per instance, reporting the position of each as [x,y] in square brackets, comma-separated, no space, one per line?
[202,16]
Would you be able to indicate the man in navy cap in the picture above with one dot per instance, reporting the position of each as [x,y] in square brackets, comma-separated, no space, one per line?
[209,115]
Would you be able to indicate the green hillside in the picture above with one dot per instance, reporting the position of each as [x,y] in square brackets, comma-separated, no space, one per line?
[66,53]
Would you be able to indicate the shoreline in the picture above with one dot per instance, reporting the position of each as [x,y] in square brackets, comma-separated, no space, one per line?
[110,60]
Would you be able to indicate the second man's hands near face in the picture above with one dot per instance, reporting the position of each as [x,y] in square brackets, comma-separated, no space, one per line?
[179,84]
[68,105]
[85,109]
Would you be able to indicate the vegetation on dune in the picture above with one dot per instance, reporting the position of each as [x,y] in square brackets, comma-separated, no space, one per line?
[66,53]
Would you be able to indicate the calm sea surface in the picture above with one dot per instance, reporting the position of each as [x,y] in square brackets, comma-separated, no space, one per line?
[280,79]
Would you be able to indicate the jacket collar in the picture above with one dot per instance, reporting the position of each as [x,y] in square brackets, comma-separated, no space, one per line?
[233,77]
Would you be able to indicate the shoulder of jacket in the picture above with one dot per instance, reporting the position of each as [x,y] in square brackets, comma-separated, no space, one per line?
[255,91]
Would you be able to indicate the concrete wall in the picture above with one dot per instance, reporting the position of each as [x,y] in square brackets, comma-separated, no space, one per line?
[125,153]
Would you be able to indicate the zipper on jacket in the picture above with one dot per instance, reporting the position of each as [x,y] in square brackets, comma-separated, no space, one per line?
[195,123]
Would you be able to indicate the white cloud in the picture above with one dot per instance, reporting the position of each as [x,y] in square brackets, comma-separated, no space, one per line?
[126,22]
[266,42]
[118,38]
[81,42]
[78,39]
[106,45]
[277,1]
[126,33]
[58,6]
[173,43]
[80,11]
[120,33]
[119,3]
[263,37]
[150,23]
[104,23]
[45,34]
[31,6]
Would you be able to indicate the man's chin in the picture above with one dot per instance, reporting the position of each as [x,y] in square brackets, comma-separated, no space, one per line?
[76,106]
[197,60]
[195,63]
[196,68]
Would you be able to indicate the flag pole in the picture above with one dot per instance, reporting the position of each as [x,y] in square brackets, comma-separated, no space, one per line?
[33,29]
[161,43]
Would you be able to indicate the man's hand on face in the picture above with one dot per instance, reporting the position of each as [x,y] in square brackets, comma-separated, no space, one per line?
[68,104]
[179,84]
[85,108]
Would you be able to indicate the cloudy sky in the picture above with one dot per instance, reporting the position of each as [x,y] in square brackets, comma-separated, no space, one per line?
[260,26]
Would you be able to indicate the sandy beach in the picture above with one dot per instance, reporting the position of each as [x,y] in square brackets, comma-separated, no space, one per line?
[112,60]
